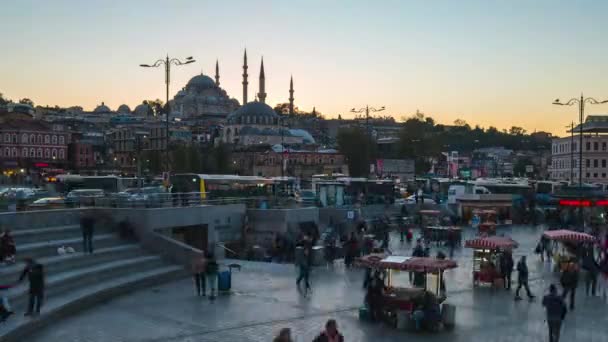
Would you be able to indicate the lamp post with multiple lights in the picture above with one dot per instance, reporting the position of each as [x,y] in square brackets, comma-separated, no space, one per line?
[367,109]
[581,114]
[167,62]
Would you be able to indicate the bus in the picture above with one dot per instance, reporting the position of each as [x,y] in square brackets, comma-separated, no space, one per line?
[109,184]
[221,186]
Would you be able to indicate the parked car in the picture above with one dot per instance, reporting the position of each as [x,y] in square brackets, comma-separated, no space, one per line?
[47,203]
[427,200]
[150,196]
[83,197]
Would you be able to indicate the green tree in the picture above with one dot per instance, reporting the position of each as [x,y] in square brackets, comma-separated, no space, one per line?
[358,149]
[27,101]
[3,101]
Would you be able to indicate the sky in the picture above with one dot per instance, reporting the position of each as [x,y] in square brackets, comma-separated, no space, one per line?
[496,62]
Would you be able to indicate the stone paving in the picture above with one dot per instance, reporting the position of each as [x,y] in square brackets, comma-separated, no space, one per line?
[266,300]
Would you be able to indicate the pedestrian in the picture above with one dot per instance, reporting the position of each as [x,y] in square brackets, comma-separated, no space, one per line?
[5,306]
[87,224]
[198,273]
[569,281]
[506,268]
[352,246]
[35,273]
[330,334]
[283,336]
[211,271]
[593,270]
[522,279]
[7,247]
[556,312]
[304,270]
[417,253]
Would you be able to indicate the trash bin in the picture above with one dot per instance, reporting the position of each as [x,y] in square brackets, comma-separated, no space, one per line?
[318,256]
[224,279]
[448,315]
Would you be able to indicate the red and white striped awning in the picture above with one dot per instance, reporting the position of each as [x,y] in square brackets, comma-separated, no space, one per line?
[492,242]
[568,235]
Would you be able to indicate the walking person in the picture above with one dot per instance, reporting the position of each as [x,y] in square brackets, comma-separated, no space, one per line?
[330,334]
[35,273]
[87,225]
[522,279]
[283,336]
[593,270]
[556,312]
[569,280]
[211,271]
[506,268]
[199,265]
[5,306]
[304,265]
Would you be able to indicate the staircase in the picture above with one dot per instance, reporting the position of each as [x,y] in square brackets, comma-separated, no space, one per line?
[76,281]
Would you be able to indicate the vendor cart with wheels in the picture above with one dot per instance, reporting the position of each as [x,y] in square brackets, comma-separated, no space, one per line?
[566,245]
[487,253]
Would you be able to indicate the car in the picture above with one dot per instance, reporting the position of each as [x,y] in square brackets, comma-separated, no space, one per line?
[47,203]
[427,200]
[86,197]
[149,196]
[306,197]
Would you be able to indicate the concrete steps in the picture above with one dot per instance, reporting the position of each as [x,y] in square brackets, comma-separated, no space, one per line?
[25,236]
[17,328]
[47,248]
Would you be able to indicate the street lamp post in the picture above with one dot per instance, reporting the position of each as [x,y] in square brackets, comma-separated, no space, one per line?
[571,151]
[166,62]
[581,111]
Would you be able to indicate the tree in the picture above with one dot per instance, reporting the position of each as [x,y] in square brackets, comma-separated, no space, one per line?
[355,144]
[460,122]
[3,101]
[517,131]
[27,101]
[156,107]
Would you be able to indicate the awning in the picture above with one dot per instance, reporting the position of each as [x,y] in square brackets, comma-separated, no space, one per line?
[568,235]
[429,212]
[492,242]
[403,263]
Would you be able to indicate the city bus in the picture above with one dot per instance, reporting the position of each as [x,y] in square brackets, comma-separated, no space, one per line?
[109,184]
[221,186]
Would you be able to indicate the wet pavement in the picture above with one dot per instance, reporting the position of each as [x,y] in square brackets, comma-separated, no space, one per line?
[266,300]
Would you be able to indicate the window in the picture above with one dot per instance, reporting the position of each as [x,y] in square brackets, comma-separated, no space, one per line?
[14,152]
[39,153]
[32,139]
[47,152]
[604,146]
[595,175]
[54,153]
[24,152]
[24,138]
[61,154]
[7,152]
[603,175]
[595,146]
[39,139]
[15,139]
[587,175]
[595,163]
[7,138]
[574,146]
[61,140]
[588,162]
[603,162]
[588,146]
[47,139]
[54,140]
[32,153]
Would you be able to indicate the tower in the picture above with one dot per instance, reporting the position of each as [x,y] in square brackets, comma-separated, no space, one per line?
[217,73]
[245,83]
[291,95]
[262,92]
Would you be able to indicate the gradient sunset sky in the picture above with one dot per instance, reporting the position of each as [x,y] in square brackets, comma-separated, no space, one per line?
[497,62]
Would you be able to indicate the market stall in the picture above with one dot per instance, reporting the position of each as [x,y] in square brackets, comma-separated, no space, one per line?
[487,252]
[486,221]
[434,231]
[401,303]
[567,245]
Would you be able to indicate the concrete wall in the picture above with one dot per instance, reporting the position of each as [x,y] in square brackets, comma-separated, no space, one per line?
[39,219]
[264,223]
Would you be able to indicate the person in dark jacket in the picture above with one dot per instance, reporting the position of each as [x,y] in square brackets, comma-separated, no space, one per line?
[569,280]
[506,268]
[522,278]
[593,269]
[330,334]
[556,312]
[87,223]
[35,273]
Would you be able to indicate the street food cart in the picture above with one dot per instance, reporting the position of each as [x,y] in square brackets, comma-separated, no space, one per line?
[566,245]
[486,222]
[487,252]
[399,303]
[434,231]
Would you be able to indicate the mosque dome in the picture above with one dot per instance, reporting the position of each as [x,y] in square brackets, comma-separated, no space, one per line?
[201,82]
[254,112]
[102,108]
[142,109]
[123,109]
[306,137]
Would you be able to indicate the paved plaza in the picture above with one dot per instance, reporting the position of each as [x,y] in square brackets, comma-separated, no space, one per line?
[265,300]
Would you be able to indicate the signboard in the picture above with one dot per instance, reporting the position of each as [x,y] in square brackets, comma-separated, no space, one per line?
[350,214]
[529,168]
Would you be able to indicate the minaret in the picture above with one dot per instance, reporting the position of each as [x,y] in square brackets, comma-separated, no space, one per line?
[245,83]
[291,96]
[217,73]
[262,93]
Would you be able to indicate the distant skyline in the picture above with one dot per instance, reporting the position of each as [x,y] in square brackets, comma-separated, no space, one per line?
[492,63]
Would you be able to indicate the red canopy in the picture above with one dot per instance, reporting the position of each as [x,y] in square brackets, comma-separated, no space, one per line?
[492,242]
[568,235]
[406,263]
